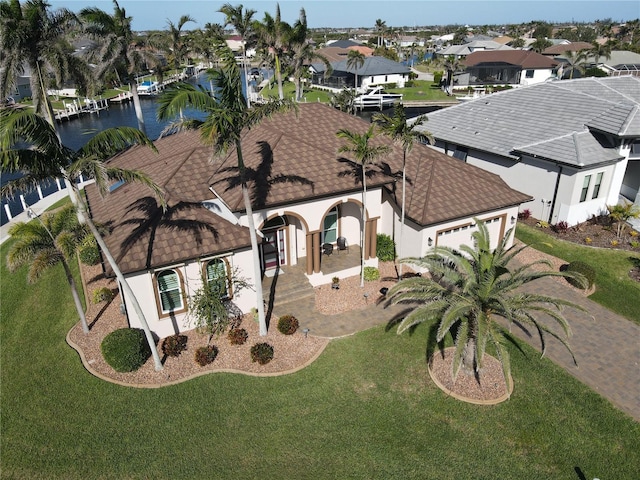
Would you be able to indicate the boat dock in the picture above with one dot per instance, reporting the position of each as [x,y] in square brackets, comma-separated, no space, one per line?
[75,108]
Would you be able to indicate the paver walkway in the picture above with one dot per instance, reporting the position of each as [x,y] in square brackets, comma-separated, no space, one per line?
[606,345]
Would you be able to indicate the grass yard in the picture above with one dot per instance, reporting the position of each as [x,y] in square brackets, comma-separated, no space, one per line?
[614,288]
[365,409]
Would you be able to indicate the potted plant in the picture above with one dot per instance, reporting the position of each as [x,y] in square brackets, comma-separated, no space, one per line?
[335,283]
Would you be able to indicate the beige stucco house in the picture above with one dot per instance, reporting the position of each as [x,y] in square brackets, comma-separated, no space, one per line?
[304,195]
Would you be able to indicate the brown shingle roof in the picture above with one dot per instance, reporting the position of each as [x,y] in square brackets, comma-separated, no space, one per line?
[524,58]
[567,47]
[290,159]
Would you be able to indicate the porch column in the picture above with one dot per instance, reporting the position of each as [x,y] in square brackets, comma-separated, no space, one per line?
[309,242]
[316,252]
[370,238]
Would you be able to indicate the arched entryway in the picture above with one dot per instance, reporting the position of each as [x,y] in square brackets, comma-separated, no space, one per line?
[282,241]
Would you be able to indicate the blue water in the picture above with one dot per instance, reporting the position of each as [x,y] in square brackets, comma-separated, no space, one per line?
[76,132]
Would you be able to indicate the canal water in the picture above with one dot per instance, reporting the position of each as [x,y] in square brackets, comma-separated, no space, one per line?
[76,132]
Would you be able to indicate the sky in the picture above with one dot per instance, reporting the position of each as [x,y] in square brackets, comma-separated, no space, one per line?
[153,14]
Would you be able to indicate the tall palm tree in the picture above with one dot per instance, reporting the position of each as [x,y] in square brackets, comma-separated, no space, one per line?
[178,44]
[30,145]
[574,62]
[52,239]
[242,21]
[355,61]
[540,44]
[366,155]
[404,134]
[227,118]
[116,49]
[600,50]
[451,64]
[469,288]
[303,53]
[32,36]
[273,37]
[381,28]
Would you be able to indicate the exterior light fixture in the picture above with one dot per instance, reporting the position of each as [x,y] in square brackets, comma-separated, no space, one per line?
[513,219]
[305,331]
[430,241]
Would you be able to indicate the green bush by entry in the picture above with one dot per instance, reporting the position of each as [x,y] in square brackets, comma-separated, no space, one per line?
[125,349]
[262,353]
[371,274]
[89,252]
[102,294]
[288,324]
[585,269]
[385,248]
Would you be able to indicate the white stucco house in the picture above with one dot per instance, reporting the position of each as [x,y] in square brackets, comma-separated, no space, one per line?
[573,145]
[505,67]
[304,196]
[373,71]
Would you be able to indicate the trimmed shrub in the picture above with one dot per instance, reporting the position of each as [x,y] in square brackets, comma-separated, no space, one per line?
[125,349]
[371,274]
[561,227]
[174,345]
[102,294]
[585,269]
[262,353]
[288,324]
[385,248]
[525,214]
[206,355]
[237,336]
[89,252]
[437,77]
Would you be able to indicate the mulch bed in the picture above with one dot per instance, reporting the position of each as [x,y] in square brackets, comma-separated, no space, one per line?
[595,232]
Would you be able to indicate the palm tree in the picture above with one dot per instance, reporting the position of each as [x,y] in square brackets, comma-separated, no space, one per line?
[540,44]
[32,36]
[116,49]
[178,45]
[574,62]
[242,21]
[355,60]
[469,288]
[451,64]
[622,213]
[227,118]
[53,239]
[599,50]
[274,36]
[29,145]
[304,53]
[380,27]
[365,154]
[405,134]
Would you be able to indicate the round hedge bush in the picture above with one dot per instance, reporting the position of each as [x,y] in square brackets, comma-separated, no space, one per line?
[102,294]
[89,252]
[288,324]
[585,269]
[125,349]
[206,355]
[371,274]
[174,345]
[262,353]
[237,336]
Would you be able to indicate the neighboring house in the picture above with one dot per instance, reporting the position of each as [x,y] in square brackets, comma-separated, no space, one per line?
[461,51]
[506,67]
[573,145]
[304,195]
[337,54]
[374,71]
[621,62]
[561,48]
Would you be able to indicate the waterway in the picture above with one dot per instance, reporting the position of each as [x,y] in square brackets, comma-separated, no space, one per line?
[76,132]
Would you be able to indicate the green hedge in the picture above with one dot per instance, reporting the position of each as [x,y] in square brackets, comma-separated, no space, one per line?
[125,349]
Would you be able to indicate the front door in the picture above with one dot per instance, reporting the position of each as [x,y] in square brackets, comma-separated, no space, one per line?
[273,249]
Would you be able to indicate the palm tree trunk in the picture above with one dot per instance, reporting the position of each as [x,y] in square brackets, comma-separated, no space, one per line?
[246,76]
[404,189]
[82,211]
[364,225]
[257,271]
[279,78]
[133,86]
[76,296]
[468,357]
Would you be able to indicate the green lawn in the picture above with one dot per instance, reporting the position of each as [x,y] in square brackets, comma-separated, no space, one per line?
[364,409]
[614,288]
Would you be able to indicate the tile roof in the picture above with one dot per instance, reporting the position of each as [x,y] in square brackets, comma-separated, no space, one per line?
[290,158]
[567,47]
[371,66]
[501,122]
[523,58]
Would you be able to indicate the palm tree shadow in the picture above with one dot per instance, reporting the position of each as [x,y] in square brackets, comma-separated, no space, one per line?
[261,177]
[354,169]
[151,217]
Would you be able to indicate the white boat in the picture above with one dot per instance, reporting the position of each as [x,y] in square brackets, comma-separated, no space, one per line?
[377,97]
